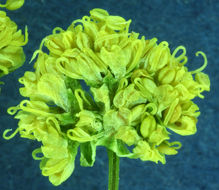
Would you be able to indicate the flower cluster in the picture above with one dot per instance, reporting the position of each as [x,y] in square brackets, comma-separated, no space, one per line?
[11,42]
[138,93]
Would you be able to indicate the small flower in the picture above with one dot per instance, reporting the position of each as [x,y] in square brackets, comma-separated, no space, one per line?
[147,153]
[58,164]
[128,135]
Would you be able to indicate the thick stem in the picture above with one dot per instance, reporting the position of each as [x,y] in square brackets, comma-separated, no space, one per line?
[113,183]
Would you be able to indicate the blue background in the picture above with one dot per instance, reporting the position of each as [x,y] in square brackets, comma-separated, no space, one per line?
[192,23]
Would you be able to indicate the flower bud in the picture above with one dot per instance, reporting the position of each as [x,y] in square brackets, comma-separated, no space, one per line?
[136,113]
[149,85]
[179,74]
[148,125]
[158,57]
[98,14]
[203,80]
[175,115]
[116,22]
[166,75]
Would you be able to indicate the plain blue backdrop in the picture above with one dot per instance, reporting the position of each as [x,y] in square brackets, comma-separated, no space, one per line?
[192,23]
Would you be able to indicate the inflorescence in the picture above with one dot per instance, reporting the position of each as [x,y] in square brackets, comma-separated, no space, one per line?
[138,93]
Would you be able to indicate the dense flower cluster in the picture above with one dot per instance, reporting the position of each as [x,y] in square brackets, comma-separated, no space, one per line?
[139,92]
[11,42]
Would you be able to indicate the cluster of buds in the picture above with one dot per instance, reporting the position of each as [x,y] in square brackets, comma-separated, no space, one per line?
[138,93]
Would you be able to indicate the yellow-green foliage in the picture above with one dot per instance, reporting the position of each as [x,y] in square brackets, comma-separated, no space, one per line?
[140,93]
[12,4]
[11,42]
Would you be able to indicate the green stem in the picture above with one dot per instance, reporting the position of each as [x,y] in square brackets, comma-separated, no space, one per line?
[113,183]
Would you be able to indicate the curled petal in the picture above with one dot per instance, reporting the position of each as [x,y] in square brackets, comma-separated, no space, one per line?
[182,59]
[10,136]
[204,65]
[35,152]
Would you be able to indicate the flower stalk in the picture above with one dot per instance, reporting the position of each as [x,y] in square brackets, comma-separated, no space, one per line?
[113,183]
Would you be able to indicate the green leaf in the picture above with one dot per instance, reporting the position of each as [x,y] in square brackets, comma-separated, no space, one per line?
[67,118]
[101,96]
[72,83]
[88,154]
[112,85]
[116,146]
[74,106]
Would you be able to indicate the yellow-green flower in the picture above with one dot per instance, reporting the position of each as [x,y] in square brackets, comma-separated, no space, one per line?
[11,42]
[139,93]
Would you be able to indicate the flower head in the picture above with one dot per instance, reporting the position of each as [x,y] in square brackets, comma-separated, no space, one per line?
[139,93]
